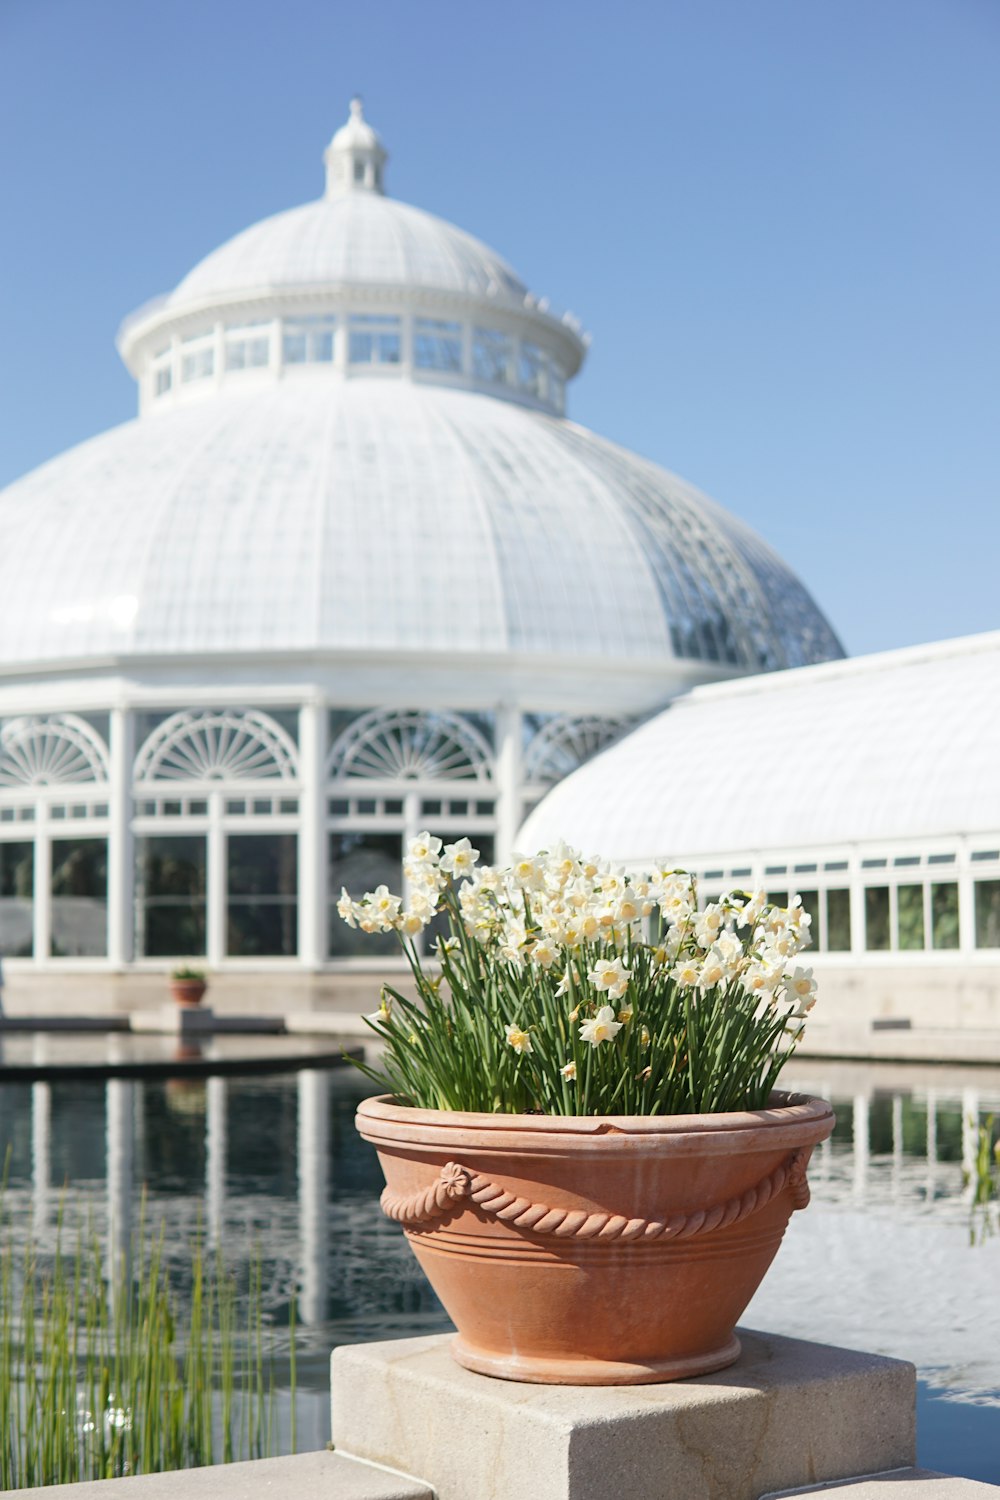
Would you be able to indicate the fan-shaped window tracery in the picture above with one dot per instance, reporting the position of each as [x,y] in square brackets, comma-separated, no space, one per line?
[50,750]
[405,745]
[218,745]
[565,742]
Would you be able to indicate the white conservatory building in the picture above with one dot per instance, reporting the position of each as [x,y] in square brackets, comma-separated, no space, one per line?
[869,787]
[350,573]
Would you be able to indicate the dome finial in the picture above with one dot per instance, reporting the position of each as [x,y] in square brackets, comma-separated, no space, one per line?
[355,157]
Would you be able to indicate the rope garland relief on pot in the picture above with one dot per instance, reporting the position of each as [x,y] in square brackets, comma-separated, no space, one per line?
[456,1183]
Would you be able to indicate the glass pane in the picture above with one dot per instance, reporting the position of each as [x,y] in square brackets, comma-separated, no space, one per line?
[491,356]
[294,347]
[910,905]
[17,905]
[79,898]
[262,881]
[810,904]
[838,921]
[877,917]
[944,916]
[437,345]
[987,913]
[170,879]
[776,898]
[361,347]
[358,862]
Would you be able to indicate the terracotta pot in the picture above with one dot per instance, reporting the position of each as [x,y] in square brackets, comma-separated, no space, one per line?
[188,991]
[590,1251]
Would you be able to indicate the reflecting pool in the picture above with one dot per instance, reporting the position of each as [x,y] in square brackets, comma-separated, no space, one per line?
[889,1257]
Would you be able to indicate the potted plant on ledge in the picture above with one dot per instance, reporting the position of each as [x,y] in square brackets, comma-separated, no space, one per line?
[187,985]
[580,1130]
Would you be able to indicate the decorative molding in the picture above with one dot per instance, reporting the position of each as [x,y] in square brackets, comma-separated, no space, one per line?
[410,745]
[51,750]
[456,1183]
[217,745]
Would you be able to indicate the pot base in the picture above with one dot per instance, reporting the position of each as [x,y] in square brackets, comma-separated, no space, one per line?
[538,1370]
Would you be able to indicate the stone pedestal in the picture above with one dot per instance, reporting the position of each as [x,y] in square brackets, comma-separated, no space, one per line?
[788,1414]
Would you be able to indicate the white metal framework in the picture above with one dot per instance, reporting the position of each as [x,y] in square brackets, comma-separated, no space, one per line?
[348,575]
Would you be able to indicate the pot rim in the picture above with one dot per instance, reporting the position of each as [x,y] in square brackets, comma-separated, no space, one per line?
[786,1109]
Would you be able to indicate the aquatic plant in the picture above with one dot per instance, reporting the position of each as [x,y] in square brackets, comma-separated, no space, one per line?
[104,1372]
[984,1180]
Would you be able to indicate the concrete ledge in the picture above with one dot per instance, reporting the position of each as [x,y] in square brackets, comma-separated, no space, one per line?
[788,1414]
[305,1476]
[900,1484]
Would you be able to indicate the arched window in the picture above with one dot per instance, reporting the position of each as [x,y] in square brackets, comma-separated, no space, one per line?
[406,745]
[50,750]
[565,742]
[217,745]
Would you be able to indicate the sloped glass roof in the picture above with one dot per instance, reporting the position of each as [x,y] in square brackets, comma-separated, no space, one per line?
[901,745]
[384,517]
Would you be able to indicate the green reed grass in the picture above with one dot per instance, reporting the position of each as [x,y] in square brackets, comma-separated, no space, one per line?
[984,1179]
[102,1374]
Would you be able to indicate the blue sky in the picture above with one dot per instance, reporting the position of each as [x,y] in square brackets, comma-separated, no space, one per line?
[777,218]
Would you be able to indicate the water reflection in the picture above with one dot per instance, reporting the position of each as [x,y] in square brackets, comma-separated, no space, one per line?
[882,1260]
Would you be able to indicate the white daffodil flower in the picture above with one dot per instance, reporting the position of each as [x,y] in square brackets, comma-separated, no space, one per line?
[518,1039]
[459,859]
[603,1028]
[568,1071]
[610,975]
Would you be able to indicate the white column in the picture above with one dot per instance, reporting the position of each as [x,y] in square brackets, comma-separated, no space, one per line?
[861,1148]
[508,780]
[970,1138]
[43,883]
[217,887]
[312,835]
[276,351]
[121,853]
[314,1185]
[216,1141]
[120,1131]
[897,1143]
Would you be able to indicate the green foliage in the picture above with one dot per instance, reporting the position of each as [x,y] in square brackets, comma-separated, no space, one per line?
[675,1049]
[185,972]
[99,1376]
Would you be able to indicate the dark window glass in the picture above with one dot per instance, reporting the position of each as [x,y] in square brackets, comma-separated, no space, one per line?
[877,918]
[263,907]
[17,903]
[838,921]
[778,898]
[486,844]
[79,898]
[170,878]
[810,903]
[358,862]
[910,916]
[987,913]
[944,916]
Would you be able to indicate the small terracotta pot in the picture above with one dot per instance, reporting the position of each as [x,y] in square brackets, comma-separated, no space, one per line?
[188,991]
[585,1251]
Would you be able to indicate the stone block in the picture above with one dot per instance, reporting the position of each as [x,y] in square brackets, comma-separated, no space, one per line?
[303,1476]
[899,1484]
[788,1414]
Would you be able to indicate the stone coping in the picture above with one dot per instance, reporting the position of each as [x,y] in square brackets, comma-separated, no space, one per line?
[304,1476]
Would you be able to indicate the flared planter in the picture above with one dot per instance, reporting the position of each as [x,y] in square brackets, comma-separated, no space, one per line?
[586,1251]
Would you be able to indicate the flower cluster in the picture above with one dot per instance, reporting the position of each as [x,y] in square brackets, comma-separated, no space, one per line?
[560,962]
